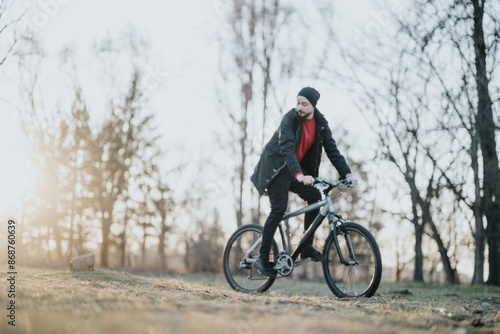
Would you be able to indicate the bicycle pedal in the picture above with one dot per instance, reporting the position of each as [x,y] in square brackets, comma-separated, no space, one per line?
[301,262]
[278,266]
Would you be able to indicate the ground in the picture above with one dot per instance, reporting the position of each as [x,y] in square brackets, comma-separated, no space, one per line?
[107,301]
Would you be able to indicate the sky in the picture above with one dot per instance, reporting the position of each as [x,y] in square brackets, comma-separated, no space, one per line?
[182,68]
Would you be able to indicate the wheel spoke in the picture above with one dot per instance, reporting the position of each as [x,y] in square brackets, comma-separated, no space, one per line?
[243,247]
[353,280]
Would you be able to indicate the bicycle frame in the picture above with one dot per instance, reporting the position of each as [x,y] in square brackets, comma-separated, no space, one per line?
[327,207]
[327,210]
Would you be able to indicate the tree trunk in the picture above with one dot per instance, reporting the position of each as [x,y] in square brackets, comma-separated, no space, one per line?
[450,273]
[161,240]
[418,274]
[493,254]
[106,227]
[143,245]
[123,247]
[56,231]
[80,241]
[161,247]
[479,235]
[478,277]
[243,156]
[70,235]
[486,131]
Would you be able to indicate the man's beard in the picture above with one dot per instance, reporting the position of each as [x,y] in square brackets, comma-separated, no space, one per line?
[304,116]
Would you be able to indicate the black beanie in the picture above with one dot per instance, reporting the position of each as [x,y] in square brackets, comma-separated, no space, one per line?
[311,94]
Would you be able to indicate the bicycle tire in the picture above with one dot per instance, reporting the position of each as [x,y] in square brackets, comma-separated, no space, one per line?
[246,279]
[352,281]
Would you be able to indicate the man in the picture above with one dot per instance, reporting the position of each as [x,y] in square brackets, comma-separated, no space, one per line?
[290,162]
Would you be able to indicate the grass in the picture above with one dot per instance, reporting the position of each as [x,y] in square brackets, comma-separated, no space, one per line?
[106,301]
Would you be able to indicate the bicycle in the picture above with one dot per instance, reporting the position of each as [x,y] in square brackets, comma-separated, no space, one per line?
[357,276]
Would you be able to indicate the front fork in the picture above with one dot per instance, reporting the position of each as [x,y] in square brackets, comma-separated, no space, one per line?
[336,230]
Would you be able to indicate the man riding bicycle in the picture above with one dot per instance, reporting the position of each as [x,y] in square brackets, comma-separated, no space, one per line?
[289,162]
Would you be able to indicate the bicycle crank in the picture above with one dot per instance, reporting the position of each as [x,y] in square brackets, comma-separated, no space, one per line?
[284,265]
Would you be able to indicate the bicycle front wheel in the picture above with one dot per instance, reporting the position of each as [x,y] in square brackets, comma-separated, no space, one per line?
[360,274]
[240,253]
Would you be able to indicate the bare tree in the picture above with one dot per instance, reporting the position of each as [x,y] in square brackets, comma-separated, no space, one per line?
[204,239]
[86,173]
[243,20]
[400,136]
[272,20]
[125,146]
[58,145]
[120,144]
[451,25]
[164,206]
[443,51]
[77,203]
[256,52]
[7,29]
[486,128]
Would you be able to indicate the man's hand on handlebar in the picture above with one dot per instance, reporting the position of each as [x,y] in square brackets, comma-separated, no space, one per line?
[308,180]
[352,178]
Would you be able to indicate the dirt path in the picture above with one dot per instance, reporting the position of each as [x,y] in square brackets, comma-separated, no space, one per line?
[110,302]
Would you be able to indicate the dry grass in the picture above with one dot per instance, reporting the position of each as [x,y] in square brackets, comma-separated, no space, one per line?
[106,301]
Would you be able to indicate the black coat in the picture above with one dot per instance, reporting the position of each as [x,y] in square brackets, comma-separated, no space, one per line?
[279,152]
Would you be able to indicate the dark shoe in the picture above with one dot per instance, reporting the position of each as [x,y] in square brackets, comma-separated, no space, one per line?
[264,268]
[309,251]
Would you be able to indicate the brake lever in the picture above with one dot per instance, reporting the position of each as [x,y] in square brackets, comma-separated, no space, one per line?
[347,183]
[318,180]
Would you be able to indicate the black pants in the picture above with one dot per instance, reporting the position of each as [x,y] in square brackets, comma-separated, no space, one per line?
[278,197]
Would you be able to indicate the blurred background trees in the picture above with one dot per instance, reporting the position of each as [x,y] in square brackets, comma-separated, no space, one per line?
[428,86]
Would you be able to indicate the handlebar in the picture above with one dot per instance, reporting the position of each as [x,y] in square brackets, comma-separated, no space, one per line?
[331,185]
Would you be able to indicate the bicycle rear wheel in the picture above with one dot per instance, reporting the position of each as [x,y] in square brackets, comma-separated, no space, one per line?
[241,251]
[361,277]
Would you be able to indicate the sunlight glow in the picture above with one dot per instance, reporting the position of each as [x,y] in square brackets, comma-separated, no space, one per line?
[16,176]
